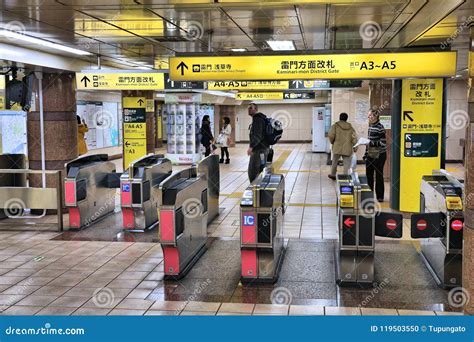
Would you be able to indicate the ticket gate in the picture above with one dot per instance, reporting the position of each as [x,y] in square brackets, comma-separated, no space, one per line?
[184,212]
[89,188]
[440,226]
[261,228]
[209,169]
[140,195]
[359,222]
[11,162]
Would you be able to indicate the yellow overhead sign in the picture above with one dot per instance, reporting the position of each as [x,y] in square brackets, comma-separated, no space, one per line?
[259,96]
[248,85]
[324,66]
[120,81]
[121,25]
[421,137]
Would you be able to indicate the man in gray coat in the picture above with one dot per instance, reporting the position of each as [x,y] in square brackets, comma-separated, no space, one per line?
[343,137]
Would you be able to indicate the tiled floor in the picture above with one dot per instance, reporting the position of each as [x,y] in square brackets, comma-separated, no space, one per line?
[102,270]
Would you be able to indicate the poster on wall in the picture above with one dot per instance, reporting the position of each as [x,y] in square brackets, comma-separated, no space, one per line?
[13,132]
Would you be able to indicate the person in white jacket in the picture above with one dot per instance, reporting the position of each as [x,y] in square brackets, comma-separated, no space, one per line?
[223,140]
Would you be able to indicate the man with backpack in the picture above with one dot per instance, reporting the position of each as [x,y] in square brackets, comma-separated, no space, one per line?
[258,147]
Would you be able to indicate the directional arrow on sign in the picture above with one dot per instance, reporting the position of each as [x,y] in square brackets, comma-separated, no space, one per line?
[408,137]
[297,84]
[85,79]
[140,102]
[406,114]
[349,222]
[127,144]
[182,66]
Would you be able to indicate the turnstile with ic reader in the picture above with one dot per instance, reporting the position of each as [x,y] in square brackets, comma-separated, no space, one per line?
[184,214]
[89,188]
[140,195]
[261,228]
[359,222]
[440,226]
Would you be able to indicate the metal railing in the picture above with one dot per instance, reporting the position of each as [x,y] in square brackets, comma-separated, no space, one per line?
[32,198]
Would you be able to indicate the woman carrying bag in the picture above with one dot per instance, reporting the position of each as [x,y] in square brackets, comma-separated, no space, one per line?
[376,154]
[223,140]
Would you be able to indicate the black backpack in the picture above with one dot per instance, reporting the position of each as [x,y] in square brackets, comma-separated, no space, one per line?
[273,131]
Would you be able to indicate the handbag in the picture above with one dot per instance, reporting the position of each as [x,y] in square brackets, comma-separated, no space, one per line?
[373,152]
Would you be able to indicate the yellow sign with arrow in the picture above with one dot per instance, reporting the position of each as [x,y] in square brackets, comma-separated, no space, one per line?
[323,66]
[120,81]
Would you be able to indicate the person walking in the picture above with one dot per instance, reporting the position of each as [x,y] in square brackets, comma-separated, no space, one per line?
[258,148]
[376,154]
[82,129]
[343,137]
[223,140]
[206,134]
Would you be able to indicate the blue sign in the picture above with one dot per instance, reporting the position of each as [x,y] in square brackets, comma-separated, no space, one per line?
[249,220]
[126,187]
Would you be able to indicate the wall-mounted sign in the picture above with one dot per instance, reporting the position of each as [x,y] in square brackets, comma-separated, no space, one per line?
[325,66]
[134,129]
[183,98]
[120,81]
[420,135]
[182,85]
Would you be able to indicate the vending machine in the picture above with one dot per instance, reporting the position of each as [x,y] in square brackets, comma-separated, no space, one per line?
[318,130]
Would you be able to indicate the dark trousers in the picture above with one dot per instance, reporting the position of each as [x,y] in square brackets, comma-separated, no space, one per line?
[375,166]
[208,150]
[257,162]
[224,150]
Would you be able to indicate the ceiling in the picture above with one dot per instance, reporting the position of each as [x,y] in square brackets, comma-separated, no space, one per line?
[129,34]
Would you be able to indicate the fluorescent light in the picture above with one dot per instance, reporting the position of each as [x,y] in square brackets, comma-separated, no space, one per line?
[280,45]
[42,42]
[238,50]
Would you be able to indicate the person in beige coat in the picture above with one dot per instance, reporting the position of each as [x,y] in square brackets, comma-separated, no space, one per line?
[343,137]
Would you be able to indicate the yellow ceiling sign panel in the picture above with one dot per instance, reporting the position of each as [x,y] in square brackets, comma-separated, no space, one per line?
[120,81]
[118,25]
[324,66]
[248,85]
[471,64]
[259,96]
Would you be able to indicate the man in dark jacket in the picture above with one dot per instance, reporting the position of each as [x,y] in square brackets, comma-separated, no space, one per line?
[258,148]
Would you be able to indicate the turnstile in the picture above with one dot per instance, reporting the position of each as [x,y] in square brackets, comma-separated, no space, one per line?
[140,196]
[89,188]
[209,169]
[440,226]
[261,228]
[359,222]
[184,212]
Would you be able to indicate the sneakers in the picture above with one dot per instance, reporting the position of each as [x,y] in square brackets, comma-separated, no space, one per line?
[332,177]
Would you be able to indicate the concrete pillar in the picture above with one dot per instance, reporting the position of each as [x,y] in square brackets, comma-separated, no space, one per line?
[468,257]
[60,126]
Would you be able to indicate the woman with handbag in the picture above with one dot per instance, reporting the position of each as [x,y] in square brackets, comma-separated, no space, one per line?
[223,140]
[376,154]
